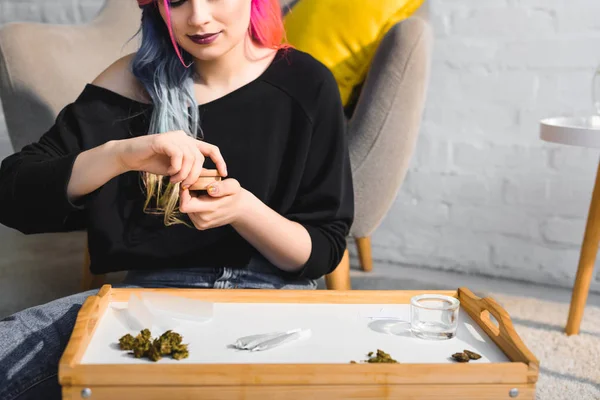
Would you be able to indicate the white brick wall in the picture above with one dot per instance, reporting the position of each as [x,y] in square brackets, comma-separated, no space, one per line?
[483,194]
[492,197]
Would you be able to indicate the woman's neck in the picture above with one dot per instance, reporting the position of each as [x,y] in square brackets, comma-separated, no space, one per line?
[242,64]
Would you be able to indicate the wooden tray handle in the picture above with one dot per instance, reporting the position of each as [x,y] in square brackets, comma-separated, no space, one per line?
[87,320]
[503,333]
[91,308]
[486,306]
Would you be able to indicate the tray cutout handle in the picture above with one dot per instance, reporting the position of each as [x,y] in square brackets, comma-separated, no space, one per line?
[501,331]
[491,322]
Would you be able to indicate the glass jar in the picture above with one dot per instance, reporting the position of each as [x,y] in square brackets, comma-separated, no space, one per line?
[434,316]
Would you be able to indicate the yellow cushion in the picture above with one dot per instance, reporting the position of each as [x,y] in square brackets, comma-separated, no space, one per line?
[344,34]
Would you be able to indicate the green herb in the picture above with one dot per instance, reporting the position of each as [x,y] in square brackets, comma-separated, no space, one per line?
[380,357]
[168,344]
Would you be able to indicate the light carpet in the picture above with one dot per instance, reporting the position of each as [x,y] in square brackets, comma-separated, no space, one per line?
[569,365]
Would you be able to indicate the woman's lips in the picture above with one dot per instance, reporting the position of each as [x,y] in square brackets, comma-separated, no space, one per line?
[204,39]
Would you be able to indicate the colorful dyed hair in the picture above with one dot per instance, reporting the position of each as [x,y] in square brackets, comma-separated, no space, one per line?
[163,68]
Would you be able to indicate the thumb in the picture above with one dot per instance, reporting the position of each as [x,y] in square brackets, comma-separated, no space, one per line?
[223,188]
[184,200]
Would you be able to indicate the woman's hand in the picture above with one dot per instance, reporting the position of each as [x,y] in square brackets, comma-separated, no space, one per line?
[284,243]
[224,204]
[173,154]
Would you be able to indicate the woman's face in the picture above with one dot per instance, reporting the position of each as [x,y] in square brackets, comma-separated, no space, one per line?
[207,29]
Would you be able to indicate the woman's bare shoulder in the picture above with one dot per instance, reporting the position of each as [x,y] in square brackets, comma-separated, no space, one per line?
[119,79]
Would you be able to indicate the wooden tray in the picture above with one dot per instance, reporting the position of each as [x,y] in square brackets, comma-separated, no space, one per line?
[319,367]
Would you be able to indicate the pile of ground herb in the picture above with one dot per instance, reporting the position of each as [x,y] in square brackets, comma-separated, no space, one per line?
[380,357]
[168,344]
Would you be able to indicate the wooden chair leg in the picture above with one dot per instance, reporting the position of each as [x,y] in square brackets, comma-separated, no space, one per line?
[339,279]
[88,280]
[86,276]
[364,253]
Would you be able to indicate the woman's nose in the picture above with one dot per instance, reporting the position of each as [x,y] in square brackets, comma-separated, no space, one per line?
[200,13]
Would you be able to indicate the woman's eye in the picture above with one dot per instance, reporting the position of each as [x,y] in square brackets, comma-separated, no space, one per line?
[177,3]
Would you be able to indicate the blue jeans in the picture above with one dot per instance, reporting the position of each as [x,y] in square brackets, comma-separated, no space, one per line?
[33,340]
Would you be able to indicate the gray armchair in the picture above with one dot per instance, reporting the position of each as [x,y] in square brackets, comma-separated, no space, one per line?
[383,131]
[38,78]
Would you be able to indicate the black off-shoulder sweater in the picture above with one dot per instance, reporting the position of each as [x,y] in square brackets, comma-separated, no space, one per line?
[281,135]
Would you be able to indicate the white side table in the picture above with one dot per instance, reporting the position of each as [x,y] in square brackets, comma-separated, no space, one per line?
[584,132]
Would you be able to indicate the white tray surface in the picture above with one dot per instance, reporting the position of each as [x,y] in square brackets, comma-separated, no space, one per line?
[340,333]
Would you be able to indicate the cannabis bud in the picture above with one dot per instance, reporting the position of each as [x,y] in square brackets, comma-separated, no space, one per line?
[169,343]
[381,357]
[472,355]
[466,356]
[126,342]
[460,357]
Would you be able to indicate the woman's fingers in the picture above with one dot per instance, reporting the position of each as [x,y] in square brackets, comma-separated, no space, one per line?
[190,204]
[175,155]
[196,169]
[184,200]
[186,166]
[212,151]
[187,156]
[226,187]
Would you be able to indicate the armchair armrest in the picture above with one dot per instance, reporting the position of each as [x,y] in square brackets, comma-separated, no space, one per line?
[385,124]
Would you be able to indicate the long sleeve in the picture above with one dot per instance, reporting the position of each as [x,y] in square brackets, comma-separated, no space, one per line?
[33,181]
[325,203]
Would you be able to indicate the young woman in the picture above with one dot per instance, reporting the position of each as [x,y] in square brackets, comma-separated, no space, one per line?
[213,86]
